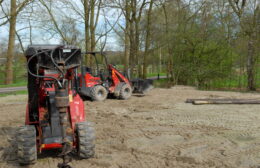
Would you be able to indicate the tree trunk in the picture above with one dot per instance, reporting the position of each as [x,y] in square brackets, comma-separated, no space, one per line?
[251,60]
[87,38]
[127,39]
[132,37]
[11,43]
[30,28]
[147,39]
[251,64]
[251,55]
[131,55]
[92,29]
[137,46]
[127,48]
[169,71]
[134,22]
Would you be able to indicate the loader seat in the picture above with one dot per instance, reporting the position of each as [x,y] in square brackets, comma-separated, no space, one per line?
[88,70]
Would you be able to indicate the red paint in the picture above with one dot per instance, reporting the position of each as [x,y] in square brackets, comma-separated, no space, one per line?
[76,109]
[117,78]
[115,75]
[51,146]
[91,80]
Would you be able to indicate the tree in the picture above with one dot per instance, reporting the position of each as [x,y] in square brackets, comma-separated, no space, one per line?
[249,26]
[127,36]
[208,43]
[87,28]
[90,16]
[14,11]
[147,38]
[54,21]
[133,13]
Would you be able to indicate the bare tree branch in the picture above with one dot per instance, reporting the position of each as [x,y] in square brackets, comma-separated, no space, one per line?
[20,41]
[235,6]
[112,27]
[54,21]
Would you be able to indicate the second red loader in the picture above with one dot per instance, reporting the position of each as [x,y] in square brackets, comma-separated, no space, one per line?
[97,84]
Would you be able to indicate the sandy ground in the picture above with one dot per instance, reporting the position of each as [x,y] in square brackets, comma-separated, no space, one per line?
[158,130]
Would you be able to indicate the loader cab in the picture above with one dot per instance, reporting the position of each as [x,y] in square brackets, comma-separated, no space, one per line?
[93,76]
[98,66]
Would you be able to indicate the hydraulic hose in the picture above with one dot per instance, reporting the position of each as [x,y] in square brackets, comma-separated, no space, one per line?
[53,61]
[39,76]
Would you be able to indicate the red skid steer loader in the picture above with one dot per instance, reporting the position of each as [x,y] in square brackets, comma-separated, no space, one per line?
[99,83]
[55,115]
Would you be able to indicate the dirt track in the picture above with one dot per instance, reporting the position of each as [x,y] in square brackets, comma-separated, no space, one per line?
[158,130]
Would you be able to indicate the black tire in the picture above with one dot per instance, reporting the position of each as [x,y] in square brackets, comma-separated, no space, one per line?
[98,93]
[26,144]
[125,92]
[85,140]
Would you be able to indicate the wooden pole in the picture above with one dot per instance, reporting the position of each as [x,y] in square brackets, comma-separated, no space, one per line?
[222,101]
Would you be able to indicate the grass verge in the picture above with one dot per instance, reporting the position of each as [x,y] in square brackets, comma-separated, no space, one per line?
[155,74]
[20,92]
[21,83]
[162,83]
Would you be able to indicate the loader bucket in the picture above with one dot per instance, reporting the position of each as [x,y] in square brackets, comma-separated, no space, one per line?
[142,85]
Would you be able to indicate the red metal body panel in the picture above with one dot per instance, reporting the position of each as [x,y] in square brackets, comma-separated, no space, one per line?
[116,77]
[51,146]
[75,110]
[91,80]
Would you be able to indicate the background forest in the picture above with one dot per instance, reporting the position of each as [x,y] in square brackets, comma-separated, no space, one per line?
[211,44]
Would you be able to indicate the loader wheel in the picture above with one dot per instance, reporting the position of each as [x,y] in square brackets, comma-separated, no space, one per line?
[98,93]
[125,92]
[85,140]
[26,143]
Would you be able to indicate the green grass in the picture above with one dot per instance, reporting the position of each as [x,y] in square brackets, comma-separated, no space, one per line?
[232,83]
[155,74]
[162,83]
[20,92]
[17,84]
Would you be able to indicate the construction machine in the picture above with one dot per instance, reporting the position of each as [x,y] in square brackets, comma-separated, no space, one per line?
[98,83]
[55,117]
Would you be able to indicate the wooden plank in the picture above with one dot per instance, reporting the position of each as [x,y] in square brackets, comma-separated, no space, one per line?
[192,100]
[226,101]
